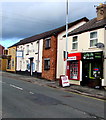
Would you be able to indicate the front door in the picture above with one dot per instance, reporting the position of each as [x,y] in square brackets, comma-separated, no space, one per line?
[31,66]
[74,70]
[85,73]
[89,69]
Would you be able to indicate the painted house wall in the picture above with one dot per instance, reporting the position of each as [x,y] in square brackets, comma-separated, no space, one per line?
[61,47]
[3,63]
[1,49]
[22,62]
[84,46]
[12,54]
[84,41]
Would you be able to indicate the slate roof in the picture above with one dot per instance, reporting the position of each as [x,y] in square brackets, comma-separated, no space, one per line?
[48,33]
[89,26]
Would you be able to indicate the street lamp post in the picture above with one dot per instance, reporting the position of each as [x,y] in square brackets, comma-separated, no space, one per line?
[66,35]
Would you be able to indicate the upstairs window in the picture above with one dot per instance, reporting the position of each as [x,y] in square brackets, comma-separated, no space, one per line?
[75,43]
[93,39]
[47,43]
[5,52]
[47,64]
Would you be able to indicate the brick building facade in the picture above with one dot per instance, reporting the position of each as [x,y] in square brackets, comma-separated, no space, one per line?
[1,49]
[49,58]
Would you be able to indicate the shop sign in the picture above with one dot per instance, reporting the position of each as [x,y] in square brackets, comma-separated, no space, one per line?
[98,55]
[19,53]
[74,56]
[93,55]
[65,81]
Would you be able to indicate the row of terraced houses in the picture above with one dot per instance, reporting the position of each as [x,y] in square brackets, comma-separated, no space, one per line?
[43,55]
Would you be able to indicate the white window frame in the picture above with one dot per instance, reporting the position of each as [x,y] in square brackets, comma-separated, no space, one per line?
[91,39]
[76,42]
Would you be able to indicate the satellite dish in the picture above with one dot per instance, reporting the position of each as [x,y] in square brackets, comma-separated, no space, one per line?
[99,45]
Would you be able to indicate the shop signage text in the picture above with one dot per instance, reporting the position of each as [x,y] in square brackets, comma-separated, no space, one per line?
[19,53]
[72,58]
[92,55]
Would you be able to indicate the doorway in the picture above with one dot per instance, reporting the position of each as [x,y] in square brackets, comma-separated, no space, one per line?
[89,68]
[31,66]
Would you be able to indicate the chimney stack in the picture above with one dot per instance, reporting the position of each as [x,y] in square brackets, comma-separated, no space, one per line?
[101,11]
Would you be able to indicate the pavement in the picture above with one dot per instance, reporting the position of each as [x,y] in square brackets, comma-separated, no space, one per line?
[83,90]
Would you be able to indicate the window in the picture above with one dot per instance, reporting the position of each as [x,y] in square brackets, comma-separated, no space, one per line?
[27,49]
[74,70]
[93,39]
[5,52]
[9,64]
[75,42]
[47,64]
[47,43]
[95,65]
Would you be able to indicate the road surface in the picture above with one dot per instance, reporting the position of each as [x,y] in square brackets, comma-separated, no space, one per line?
[22,99]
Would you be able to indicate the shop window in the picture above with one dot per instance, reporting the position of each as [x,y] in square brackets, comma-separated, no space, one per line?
[74,70]
[75,42]
[47,43]
[94,68]
[47,64]
[93,39]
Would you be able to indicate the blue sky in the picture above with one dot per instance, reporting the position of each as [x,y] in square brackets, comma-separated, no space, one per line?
[24,19]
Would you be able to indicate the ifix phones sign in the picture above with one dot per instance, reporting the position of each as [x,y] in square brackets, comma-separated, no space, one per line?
[65,81]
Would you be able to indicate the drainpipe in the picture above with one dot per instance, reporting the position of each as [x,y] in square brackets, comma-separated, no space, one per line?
[38,57]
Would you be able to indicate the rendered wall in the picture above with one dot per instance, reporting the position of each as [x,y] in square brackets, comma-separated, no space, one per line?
[12,53]
[84,46]
[61,46]
[33,52]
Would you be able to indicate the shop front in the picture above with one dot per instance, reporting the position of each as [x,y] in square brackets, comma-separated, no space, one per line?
[73,68]
[92,68]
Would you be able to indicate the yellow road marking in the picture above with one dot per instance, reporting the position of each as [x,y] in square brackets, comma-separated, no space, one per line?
[80,94]
[87,96]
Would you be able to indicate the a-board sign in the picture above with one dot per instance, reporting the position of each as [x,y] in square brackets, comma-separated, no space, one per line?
[64,81]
